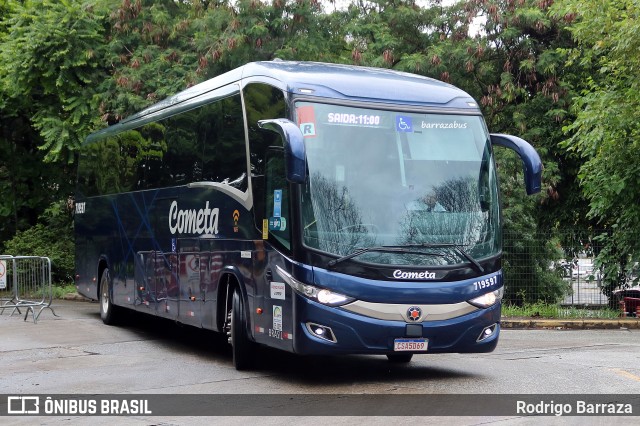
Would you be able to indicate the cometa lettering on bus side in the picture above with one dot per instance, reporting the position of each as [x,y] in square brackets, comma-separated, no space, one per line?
[202,221]
[408,275]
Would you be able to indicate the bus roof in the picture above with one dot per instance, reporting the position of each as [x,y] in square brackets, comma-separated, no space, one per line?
[351,82]
[329,81]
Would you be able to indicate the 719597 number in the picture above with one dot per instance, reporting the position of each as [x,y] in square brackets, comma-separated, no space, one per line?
[486,283]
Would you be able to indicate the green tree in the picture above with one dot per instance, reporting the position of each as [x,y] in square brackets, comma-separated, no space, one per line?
[51,237]
[515,65]
[49,69]
[231,34]
[27,186]
[149,55]
[50,64]
[391,34]
[606,131]
[157,48]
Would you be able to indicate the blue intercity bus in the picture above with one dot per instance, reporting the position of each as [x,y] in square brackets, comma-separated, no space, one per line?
[313,208]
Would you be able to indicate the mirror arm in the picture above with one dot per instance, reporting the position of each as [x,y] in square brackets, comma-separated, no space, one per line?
[295,157]
[532,165]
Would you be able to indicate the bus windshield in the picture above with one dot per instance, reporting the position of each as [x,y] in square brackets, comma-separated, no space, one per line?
[378,178]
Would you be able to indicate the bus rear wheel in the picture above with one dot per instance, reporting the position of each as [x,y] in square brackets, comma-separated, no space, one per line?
[242,348]
[399,358]
[109,313]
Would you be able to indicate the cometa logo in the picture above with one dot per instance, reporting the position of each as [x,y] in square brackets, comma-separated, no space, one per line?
[202,221]
[410,275]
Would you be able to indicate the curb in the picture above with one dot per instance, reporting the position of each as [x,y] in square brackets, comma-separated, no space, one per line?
[74,296]
[577,324]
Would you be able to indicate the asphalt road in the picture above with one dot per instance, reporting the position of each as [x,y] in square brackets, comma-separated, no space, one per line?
[75,353]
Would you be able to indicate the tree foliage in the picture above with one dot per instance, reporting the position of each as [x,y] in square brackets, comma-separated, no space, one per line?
[51,55]
[149,55]
[605,133]
[49,69]
[52,238]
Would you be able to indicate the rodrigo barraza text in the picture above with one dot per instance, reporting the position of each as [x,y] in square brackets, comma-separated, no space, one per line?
[579,407]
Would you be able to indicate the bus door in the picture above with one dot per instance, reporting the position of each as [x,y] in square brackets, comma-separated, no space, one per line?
[189,266]
[145,293]
[275,326]
[211,262]
[166,280]
[165,265]
[155,283]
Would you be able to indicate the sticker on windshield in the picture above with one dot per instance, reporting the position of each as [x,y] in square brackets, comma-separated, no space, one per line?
[403,123]
[444,125]
[277,203]
[365,120]
[277,224]
[307,121]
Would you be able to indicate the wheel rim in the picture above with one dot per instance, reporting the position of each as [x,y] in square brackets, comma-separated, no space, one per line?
[228,327]
[105,297]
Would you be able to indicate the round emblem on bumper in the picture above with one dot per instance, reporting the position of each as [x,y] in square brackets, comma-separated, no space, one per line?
[414,313]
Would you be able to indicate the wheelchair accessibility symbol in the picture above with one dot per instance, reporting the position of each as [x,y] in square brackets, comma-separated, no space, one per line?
[403,123]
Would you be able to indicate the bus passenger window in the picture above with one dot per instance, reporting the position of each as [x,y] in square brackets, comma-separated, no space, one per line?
[221,135]
[184,150]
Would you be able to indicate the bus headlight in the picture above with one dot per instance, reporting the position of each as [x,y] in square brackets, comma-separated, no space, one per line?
[324,296]
[488,299]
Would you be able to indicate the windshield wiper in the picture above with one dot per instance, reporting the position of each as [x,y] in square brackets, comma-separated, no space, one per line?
[403,250]
[384,249]
[456,248]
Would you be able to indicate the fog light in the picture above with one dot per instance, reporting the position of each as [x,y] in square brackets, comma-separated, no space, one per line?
[321,332]
[487,332]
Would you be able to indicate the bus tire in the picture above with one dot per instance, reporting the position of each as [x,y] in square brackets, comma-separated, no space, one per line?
[109,313]
[399,358]
[242,348]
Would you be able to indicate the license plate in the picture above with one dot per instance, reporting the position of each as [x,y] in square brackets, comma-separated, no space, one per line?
[411,345]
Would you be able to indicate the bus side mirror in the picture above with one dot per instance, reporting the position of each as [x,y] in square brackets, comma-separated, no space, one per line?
[294,152]
[532,165]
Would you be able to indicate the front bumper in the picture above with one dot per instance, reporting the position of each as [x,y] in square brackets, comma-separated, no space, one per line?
[359,334]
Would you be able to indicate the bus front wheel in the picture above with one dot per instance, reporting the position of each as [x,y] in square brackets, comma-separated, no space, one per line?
[108,311]
[242,348]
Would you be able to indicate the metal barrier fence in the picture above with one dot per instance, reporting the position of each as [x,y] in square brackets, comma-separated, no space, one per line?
[538,269]
[25,285]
